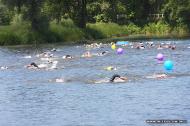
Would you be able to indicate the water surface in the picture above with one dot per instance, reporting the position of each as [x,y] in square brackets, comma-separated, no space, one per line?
[27,97]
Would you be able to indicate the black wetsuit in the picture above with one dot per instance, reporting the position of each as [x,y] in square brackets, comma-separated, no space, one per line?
[68,56]
[113,77]
[103,52]
[34,64]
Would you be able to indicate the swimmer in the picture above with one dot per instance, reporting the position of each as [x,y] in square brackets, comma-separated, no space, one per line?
[102,53]
[166,46]
[112,43]
[87,54]
[150,44]
[158,76]
[32,66]
[35,66]
[114,79]
[109,68]
[159,47]
[53,50]
[60,80]
[118,79]
[173,47]
[3,67]
[140,47]
[67,57]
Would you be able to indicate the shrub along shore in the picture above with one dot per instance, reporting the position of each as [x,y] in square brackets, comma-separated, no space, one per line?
[66,32]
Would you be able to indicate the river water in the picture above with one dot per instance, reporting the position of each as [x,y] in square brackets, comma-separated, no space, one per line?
[29,98]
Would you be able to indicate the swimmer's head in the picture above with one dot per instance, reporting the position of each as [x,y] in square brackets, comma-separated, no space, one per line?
[34,64]
[110,68]
[113,77]
[68,56]
[173,47]
[104,52]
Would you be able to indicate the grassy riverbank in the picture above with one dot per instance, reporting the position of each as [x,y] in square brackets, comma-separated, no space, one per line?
[66,31]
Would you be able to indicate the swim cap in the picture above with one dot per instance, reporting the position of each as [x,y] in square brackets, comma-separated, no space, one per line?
[34,64]
[114,76]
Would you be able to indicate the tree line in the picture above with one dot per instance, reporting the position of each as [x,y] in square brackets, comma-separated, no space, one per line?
[140,12]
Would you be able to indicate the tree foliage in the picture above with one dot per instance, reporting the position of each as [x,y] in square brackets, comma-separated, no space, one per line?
[40,12]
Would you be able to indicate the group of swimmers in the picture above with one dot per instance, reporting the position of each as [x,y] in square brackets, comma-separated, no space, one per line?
[140,45]
[52,63]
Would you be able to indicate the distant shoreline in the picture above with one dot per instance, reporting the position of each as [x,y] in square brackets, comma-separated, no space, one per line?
[141,37]
[21,34]
[132,38]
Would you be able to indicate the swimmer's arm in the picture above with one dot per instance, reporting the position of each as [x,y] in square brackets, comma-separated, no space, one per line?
[101,81]
[124,78]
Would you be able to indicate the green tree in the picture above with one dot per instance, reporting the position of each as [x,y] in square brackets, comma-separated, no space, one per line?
[177,11]
[14,4]
[79,12]
[32,12]
[57,9]
[5,15]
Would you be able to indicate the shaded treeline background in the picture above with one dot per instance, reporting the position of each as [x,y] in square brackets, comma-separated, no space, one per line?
[31,21]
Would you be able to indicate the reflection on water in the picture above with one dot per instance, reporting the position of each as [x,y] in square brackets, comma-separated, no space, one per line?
[27,97]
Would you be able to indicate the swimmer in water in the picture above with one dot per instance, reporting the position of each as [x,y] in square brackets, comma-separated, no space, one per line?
[166,46]
[87,54]
[43,66]
[3,67]
[114,79]
[140,46]
[150,44]
[67,57]
[60,80]
[173,47]
[117,78]
[53,50]
[158,76]
[159,47]
[32,66]
[109,68]
[102,53]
